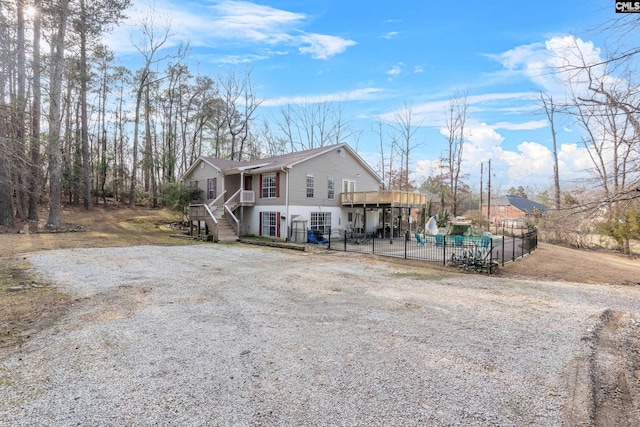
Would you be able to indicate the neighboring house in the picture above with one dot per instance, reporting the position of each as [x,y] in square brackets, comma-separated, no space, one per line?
[273,196]
[513,211]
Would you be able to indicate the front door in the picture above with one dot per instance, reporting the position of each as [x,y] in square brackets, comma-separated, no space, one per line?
[248,182]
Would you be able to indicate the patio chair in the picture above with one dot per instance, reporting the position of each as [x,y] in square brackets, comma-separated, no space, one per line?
[439,240]
[419,238]
[458,241]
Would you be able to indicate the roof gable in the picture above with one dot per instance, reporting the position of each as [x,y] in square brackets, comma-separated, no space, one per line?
[277,162]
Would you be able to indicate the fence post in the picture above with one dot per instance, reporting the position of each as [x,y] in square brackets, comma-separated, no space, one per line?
[373,244]
[503,246]
[513,247]
[405,244]
[444,250]
[345,240]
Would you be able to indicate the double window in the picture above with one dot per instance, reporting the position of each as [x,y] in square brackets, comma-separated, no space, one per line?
[269,185]
[348,186]
[321,221]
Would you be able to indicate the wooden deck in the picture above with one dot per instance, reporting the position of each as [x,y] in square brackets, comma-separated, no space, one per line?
[384,199]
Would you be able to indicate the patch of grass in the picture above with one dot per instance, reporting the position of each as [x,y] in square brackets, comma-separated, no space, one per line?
[33,307]
[261,239]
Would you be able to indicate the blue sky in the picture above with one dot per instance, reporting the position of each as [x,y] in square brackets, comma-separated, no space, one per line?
[376,56]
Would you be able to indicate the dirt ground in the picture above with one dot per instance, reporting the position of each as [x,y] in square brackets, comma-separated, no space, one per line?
[551,262]
[28,305]
[120,226]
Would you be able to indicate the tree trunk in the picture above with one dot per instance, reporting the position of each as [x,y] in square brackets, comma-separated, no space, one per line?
[86,160]
[55,169]
[34,175]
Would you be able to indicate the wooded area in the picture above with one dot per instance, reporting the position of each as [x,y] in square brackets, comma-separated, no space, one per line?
[76,127]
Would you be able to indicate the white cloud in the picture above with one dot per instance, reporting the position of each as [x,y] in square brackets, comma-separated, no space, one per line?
[389,35]
[433,113]
[552,64]
[352,95]
[426,168]
[418,69]
[229,23]
[531,160]
[395,70]
[530,125]
[322,46]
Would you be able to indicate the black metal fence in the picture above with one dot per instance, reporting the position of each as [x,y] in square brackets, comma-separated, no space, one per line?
[475,253]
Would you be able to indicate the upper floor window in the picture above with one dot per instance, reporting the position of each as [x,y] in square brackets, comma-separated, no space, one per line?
[269,185]
[211,189]
[348,186]
[310,185]
[331,188]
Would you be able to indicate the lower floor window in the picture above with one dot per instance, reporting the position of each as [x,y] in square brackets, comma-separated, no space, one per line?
[321,221]
[270,224]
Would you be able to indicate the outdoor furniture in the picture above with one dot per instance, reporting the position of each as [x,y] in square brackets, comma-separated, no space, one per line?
[458,241]
[439,240]
[419,238]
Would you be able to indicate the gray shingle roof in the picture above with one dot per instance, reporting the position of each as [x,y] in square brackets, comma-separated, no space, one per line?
[525,205]
[275,162]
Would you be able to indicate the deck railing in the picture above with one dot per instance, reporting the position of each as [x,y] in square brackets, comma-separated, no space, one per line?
[241,197]
[392,198]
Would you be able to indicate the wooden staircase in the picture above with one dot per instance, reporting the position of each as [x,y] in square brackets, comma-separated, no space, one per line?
[222,232]
[226,233]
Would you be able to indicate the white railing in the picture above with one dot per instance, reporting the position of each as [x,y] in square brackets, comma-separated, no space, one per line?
[235,224]
[215,221]
[247,196]
[217,199]
[241,196]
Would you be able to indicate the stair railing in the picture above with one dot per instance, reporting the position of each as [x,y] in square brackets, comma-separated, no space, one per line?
[235,224]
[217,199]
[214,232]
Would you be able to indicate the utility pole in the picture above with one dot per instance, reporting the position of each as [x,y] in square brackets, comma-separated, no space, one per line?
[489,197]
[481,173]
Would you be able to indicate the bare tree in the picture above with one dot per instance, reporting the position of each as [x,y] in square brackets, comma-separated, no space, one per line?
[605,102]
[313,124]
[151,43]
[550,109]
[383,160]
[405,128]
[240,107]
[456,118]
[53,140]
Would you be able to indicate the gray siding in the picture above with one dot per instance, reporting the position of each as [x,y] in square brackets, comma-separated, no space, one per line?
[332,164]
[202,174]
[277,201]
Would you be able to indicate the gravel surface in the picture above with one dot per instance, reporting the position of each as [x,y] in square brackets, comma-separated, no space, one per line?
[231,335]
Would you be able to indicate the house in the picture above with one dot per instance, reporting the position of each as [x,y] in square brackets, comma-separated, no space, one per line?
[321,189]
[513,211]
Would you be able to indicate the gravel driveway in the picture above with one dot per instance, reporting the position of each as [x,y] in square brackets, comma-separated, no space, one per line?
[232,335]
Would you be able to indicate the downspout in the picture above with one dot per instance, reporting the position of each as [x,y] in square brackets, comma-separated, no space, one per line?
[241,228]
[285,169]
